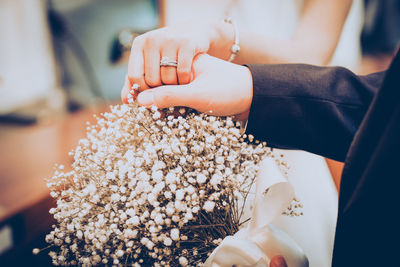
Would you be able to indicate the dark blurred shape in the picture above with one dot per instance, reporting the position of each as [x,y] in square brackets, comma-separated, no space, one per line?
[121,45]
[29,229]
[381,32]
[56,23]
[17,119]
[59,30]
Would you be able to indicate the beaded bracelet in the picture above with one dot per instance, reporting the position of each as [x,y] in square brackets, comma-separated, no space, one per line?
[235,47]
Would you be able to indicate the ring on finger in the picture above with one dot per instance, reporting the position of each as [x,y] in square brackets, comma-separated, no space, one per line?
[167,62]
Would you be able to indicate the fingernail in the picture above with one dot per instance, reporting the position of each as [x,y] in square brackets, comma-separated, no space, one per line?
[146,98]
[278,261]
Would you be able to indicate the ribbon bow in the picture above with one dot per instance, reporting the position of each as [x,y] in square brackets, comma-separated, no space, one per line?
[260,241]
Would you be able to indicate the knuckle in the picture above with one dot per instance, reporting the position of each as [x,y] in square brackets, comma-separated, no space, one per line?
[151,41]
[152,82]
[186,42]
[135,79]
[168,79]
[169,40]
[190,46]
[184,71]
[139,39]
[184,78]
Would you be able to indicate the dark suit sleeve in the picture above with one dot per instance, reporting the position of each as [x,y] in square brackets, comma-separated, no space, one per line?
[317,109]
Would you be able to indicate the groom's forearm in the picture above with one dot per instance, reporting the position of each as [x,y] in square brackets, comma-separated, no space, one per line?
[317,109]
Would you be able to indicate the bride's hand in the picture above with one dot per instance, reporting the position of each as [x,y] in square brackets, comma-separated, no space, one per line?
[218,88]
[180,43]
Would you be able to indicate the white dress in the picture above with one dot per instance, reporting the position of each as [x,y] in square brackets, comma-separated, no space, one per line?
[309,174]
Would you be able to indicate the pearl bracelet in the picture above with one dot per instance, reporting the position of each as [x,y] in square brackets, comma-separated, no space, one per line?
[235,47]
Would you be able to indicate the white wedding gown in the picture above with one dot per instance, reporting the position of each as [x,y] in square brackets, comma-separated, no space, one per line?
[309,174]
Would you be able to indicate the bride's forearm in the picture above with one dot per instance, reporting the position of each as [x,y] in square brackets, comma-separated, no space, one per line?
[314,40]
[258,49]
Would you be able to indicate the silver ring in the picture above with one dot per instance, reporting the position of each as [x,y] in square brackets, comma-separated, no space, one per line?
[167,62]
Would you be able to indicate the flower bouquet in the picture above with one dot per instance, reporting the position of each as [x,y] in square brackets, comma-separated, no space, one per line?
[153,188]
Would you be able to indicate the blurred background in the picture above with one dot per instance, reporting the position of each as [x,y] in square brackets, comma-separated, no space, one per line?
[63,60]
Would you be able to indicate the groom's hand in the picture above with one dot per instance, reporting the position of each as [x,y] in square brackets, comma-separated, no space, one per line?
[278,261]
[218,88]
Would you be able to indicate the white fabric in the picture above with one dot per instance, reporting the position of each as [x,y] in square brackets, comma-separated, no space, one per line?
[314,231]
[260,241]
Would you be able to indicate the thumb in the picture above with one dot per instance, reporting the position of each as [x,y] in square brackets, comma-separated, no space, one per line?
[166,96]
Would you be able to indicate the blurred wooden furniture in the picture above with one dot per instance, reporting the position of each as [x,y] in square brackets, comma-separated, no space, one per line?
[27,156]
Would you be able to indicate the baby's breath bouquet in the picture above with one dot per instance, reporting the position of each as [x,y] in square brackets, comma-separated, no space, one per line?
[152,188]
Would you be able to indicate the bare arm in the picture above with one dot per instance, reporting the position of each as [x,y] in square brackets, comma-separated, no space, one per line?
[313,42]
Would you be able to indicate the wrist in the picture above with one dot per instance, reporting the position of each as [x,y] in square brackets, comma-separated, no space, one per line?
[222,41]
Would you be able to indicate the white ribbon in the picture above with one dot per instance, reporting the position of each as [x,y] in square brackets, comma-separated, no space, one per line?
[260,241]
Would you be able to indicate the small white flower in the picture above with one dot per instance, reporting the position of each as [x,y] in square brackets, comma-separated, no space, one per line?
[209,206]
[158,219]
[170,211]
[219,160]
[170,178]
[70,227]
[189,216]
[122,189]
[168,241]
[179,194]
[79,234]
[151,198]
[110,175]
[133,221]
[119,253]
[195,209]
[91,188]
[130,233]
[216,179]
[201,178]
[190,190]
[183,261]
[131,212]
[144,176]
[150,245]
[157,176]
[175,234]
[115,197]
[168,194]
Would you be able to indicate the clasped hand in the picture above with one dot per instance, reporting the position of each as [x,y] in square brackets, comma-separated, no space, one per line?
[199,81]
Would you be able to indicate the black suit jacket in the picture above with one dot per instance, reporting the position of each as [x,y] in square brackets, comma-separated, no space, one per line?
[356,119]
